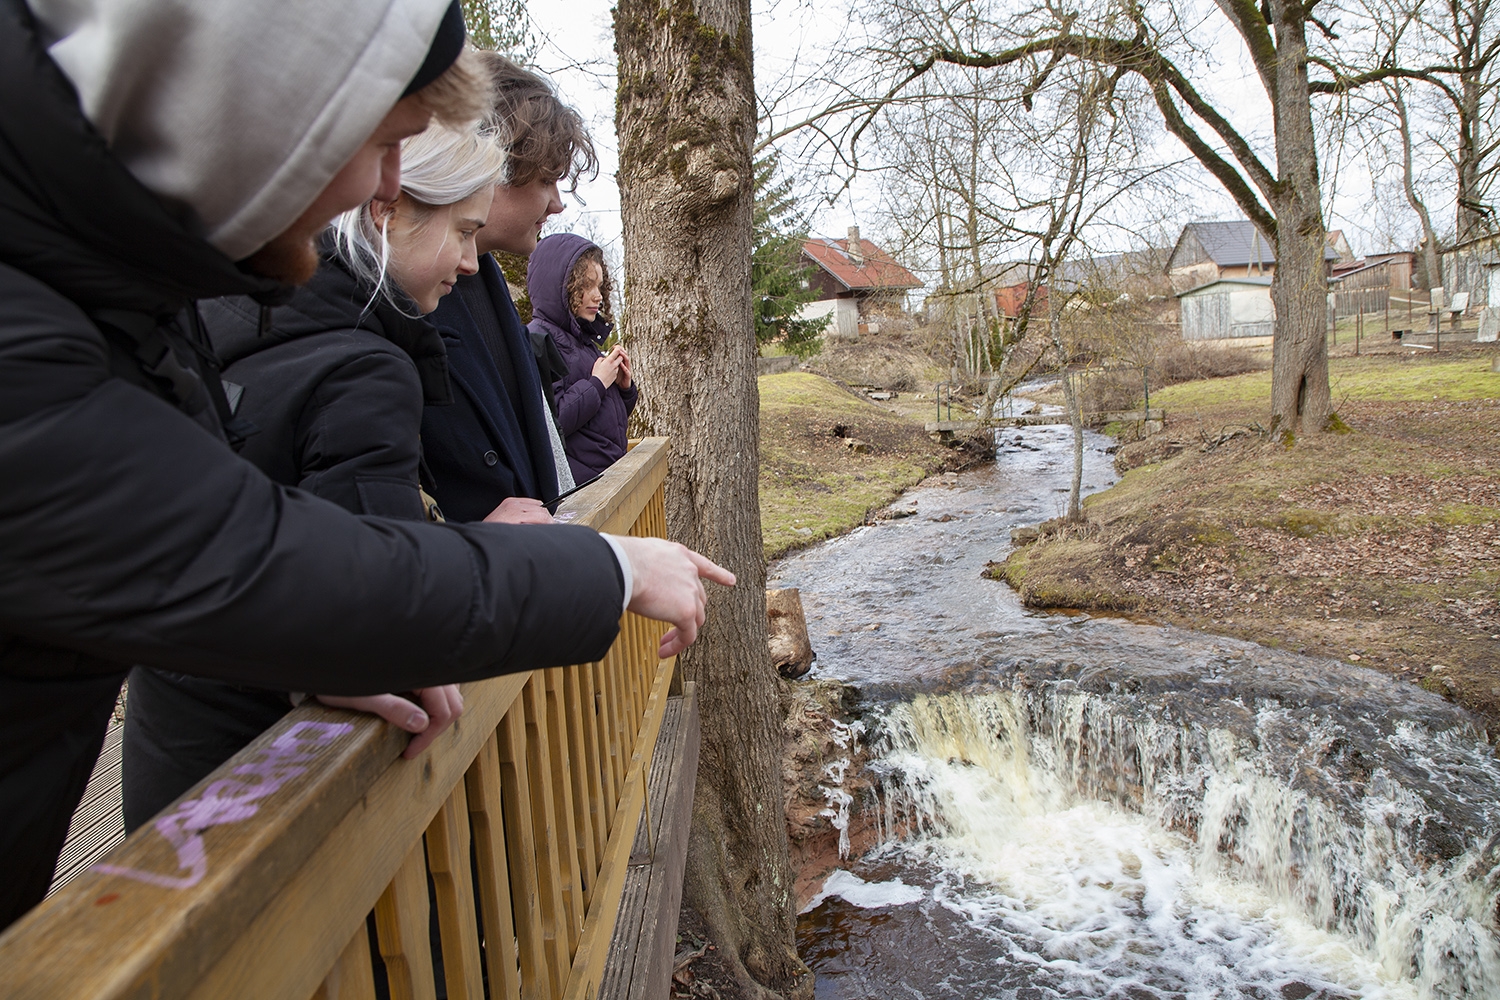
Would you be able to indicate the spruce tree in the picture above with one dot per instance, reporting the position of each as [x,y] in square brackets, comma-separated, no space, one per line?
[779,273]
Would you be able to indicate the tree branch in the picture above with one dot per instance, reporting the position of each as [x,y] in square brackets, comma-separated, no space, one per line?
[1144,61]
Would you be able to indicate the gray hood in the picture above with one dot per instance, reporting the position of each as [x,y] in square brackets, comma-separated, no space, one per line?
[243,110]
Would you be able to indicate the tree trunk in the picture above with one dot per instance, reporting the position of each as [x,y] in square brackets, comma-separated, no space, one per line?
[1075,414]
[685,114]
[1431,254]
[1300,399]
[1470,212]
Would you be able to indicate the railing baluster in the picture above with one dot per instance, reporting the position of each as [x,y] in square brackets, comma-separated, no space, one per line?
[630,653]
[544,830]
[483,785]
[593,781]
[619,703]
[352,977]
[526,884]
[579,764]
[555,738]
[401,924]
[453,882]
[605,761]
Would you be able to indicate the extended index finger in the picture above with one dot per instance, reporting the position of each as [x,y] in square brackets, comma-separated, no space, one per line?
[710,570]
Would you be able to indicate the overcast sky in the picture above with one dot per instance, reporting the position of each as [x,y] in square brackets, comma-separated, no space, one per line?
[576,50]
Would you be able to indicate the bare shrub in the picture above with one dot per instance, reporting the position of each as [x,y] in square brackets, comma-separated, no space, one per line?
[1120,385]
[1186,362]
[881,359]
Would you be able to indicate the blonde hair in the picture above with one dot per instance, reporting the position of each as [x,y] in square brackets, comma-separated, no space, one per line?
[440,166]
[461,94]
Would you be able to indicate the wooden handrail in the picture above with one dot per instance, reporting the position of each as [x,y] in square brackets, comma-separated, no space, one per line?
[257,882]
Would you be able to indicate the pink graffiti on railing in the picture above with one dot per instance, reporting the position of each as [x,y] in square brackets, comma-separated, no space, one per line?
[232,800]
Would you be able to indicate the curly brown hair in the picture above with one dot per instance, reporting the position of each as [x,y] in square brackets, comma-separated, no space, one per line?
[543,136]
[578,276]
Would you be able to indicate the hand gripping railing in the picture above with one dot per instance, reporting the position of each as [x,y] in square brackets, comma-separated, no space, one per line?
[258,881]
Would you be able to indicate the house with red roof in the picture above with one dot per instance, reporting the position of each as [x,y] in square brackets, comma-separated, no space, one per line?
[855,280]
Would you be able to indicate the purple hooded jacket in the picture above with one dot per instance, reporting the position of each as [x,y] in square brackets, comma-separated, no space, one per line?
[591,418]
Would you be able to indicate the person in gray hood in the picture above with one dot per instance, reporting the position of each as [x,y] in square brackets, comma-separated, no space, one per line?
[152,154]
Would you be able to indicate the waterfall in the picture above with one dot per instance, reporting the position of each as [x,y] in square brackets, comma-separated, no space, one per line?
[1109,830]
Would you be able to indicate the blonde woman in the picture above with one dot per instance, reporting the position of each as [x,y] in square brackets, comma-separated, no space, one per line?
[334,382]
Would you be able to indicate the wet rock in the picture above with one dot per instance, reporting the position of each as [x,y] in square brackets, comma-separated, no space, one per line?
[791,650]
[1024,535]
[825,783]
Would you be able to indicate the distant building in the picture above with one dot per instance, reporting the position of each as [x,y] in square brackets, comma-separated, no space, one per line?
[1132,275]
[1234,311]
[1472,269]
[1378,283]
[1336,242]
[855,280]
[1206,252]
[1473,266]
[1008,300]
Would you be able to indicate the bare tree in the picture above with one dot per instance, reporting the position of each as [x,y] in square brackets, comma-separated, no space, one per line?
[1469,79]
[1282,196]
[1458,45]
[686,120]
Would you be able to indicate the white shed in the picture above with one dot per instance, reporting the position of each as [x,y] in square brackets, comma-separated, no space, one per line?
[1230,309]
[1489,316]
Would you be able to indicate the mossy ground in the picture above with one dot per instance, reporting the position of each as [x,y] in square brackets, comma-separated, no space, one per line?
[814,486]
[1379,546]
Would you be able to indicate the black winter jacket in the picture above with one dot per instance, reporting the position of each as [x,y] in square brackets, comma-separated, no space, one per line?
[334,382]
[335,386]
[131,533]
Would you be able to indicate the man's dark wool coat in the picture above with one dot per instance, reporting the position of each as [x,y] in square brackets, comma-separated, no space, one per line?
[491,442]
[130,532]
[591,417]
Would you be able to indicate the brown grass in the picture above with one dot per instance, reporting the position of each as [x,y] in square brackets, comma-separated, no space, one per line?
[1380,546]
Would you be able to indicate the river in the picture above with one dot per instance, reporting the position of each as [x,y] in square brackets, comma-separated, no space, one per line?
[1076,806]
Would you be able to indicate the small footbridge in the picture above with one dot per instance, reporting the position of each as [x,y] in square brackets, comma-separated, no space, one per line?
[534,852]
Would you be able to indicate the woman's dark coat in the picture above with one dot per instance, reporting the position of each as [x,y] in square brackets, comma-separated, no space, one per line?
[592,418]
[131,533]
[334,382]
[491,442]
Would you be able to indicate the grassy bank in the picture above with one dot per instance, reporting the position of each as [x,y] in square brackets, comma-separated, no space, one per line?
[813,485]
[1380,546]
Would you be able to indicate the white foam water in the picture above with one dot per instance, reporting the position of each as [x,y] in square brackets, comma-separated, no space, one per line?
[866,895]
[1125,855]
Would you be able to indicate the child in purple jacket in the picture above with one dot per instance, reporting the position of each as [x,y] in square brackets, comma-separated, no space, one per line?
[569,289]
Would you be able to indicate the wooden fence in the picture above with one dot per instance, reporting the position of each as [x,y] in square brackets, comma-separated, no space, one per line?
[517,824]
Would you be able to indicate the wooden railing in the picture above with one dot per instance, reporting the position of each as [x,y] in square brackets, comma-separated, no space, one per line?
[258,881]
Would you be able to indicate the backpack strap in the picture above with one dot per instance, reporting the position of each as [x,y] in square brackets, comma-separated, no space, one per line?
[193,384]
